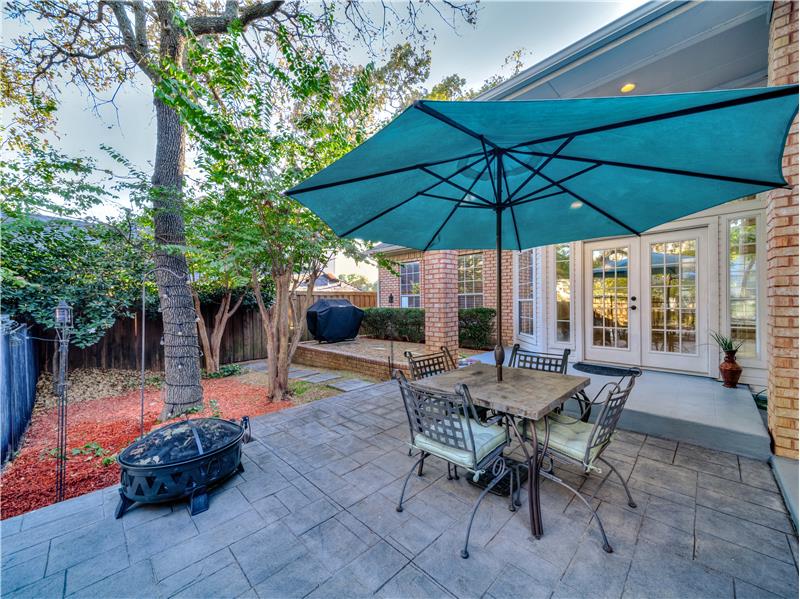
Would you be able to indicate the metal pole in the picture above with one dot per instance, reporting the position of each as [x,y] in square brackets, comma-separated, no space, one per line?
[61,465]
[499,352]
[141,386]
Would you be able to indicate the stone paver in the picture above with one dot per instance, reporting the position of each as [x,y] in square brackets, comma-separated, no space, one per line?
[322,377]
[349,384]
[313,515]
[301,374]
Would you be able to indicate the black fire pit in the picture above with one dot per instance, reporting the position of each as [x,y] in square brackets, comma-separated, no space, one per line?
[180,460]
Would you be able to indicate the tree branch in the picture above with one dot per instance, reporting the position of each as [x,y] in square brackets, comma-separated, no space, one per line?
[205,25]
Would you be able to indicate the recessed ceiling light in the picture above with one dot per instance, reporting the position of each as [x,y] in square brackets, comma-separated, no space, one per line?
[627,88]
[576,204]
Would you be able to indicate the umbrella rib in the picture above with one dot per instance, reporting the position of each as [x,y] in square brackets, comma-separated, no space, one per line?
[395,171]
[659,169]
[531,197]
[767,95]
[457,200]
[453,211]
[421,105]
[579,198]
[540,167]
[406,201]
[516,230]
[456,185]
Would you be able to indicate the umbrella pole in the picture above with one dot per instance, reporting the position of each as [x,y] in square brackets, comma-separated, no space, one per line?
[499,352]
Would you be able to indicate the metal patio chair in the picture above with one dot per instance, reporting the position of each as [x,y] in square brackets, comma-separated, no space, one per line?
[522,358]
[603,370]
[426,365]
[446,426]
[572,441]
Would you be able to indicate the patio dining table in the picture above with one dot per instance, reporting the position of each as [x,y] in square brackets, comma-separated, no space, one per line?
[523,394]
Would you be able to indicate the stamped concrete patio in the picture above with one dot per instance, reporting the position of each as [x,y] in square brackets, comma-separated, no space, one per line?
[313,515]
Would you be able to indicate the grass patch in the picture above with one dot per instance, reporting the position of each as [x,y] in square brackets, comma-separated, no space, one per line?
[305,392]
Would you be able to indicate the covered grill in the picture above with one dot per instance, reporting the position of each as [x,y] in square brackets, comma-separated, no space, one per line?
[333,320]
[179,460]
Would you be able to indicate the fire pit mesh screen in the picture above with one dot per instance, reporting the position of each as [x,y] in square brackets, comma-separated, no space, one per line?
[180,442]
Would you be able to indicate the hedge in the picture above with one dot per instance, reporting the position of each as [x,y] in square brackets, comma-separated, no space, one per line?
[475,325]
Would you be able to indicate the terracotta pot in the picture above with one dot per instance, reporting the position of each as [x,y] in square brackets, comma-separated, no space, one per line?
[729,370]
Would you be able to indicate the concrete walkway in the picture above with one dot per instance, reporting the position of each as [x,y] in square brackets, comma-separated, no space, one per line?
[314,515]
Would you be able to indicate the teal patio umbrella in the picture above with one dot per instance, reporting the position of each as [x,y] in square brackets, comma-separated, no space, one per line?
[515,175]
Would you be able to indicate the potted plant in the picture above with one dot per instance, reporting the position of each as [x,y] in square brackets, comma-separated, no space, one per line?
[729,370]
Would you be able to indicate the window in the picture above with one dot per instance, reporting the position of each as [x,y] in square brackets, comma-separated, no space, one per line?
[610,297]
[525,293]
[743,284]
[563,294]
[409,285]
[470,281]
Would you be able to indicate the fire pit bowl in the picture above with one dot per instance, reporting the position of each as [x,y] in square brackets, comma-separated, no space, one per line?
[183,459]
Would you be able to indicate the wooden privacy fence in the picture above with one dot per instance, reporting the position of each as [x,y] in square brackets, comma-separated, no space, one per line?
[243,340]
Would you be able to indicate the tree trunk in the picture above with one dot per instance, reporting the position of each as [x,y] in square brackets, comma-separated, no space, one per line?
[203,333]
[275,323]
[181,356]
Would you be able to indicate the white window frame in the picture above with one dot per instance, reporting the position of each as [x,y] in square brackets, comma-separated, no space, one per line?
[479,255]
[760,359]
[527,340]
[419,283]
[552,325]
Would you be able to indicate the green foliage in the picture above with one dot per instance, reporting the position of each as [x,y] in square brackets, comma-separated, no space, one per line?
[406,324]
[93,450]
[726,344]
[224,371]
[475,327]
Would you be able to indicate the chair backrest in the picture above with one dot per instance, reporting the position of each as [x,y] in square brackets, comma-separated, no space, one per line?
[442,417]
[522,358]
[607,420]
[429,364]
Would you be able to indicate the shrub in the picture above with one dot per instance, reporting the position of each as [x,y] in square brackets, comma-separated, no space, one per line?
[475,327]
[406,324]
[224,371]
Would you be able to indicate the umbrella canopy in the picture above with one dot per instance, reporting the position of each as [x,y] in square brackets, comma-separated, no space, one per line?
[515,175]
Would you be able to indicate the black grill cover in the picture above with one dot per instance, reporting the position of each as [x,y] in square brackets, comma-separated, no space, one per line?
[333,320]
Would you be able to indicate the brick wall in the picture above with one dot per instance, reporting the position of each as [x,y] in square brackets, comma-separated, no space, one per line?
[320,357]
[490,289]
[441,300]
[782,251]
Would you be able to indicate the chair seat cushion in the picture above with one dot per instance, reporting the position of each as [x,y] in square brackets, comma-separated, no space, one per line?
[568,437]
[487,439]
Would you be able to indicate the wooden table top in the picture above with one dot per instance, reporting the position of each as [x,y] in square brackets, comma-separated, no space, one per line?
[526,393]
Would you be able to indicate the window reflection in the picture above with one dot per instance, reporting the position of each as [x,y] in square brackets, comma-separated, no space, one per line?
[673,297]
[610,298]
[743,283]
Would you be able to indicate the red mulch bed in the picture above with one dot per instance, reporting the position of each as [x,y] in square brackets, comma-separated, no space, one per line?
[112,422]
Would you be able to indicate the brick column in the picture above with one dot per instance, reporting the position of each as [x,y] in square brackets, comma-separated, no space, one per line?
[782,251]
[440,285]
[490,291]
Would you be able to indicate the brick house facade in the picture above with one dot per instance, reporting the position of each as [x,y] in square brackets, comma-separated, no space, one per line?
[782,250]
[438,287]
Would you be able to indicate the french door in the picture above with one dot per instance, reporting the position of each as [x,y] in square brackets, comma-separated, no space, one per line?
[647,301]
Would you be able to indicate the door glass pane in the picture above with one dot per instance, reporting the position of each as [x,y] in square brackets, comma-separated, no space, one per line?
[563,293]
[610,298]
[673,295]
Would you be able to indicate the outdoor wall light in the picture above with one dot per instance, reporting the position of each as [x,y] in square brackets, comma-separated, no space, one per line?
[627,88]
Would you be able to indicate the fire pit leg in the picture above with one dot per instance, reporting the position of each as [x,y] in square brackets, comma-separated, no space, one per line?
[198,501]
[123,505]
[240,468]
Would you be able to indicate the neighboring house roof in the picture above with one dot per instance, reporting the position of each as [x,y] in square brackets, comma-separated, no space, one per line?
[328,282]
[386,248]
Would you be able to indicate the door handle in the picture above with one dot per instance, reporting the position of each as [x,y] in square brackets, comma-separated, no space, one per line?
[633,307]
[633,299]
